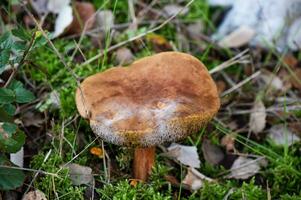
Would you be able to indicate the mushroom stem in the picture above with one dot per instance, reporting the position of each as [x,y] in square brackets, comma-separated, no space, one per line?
[144,159]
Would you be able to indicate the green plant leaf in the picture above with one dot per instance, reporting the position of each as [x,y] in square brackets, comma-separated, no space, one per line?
[10,178]
[6,95]
[4,58]
[9,128]
[15,84]
[23,95]
[19,46]
[4,116]
[6,41]
[11,143]
[21,33]
[9,109]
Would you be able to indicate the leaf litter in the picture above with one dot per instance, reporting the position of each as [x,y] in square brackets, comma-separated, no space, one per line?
[186,155]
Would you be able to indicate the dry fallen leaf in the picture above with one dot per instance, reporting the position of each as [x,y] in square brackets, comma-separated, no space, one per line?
[187,155]
[258,117]
[194,179]
[281,135]
[18,157]
[34,195]
[244,168]
[80,174]
[124,56]
[212,153]
[238,38]
[83,17]
[62,21]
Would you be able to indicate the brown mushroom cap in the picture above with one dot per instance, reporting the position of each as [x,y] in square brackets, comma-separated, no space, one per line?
[157,99]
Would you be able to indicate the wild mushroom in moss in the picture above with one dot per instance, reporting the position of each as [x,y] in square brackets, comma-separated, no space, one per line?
[157,99]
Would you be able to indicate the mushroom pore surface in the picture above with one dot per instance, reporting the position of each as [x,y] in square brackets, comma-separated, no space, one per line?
[157,99]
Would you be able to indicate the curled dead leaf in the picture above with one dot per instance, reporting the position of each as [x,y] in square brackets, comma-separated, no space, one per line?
[243,168]
[187,155]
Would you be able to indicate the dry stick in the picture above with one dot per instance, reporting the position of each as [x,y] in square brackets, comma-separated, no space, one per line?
[270,109]
[238,85]
[136,37]
[30,170]
[239,58]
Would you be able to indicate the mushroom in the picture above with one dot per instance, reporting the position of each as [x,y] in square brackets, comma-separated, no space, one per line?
[157,99]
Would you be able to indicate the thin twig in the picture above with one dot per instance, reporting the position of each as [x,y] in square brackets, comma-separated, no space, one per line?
[239,58]
[238,85]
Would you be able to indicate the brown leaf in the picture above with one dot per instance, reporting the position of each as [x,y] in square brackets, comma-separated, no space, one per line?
[83,15]
[258,117]
[212,153]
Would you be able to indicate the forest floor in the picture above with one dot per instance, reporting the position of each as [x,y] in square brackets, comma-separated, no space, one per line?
[250,150]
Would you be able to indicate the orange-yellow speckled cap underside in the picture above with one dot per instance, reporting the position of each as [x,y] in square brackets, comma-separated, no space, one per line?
[157,99]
